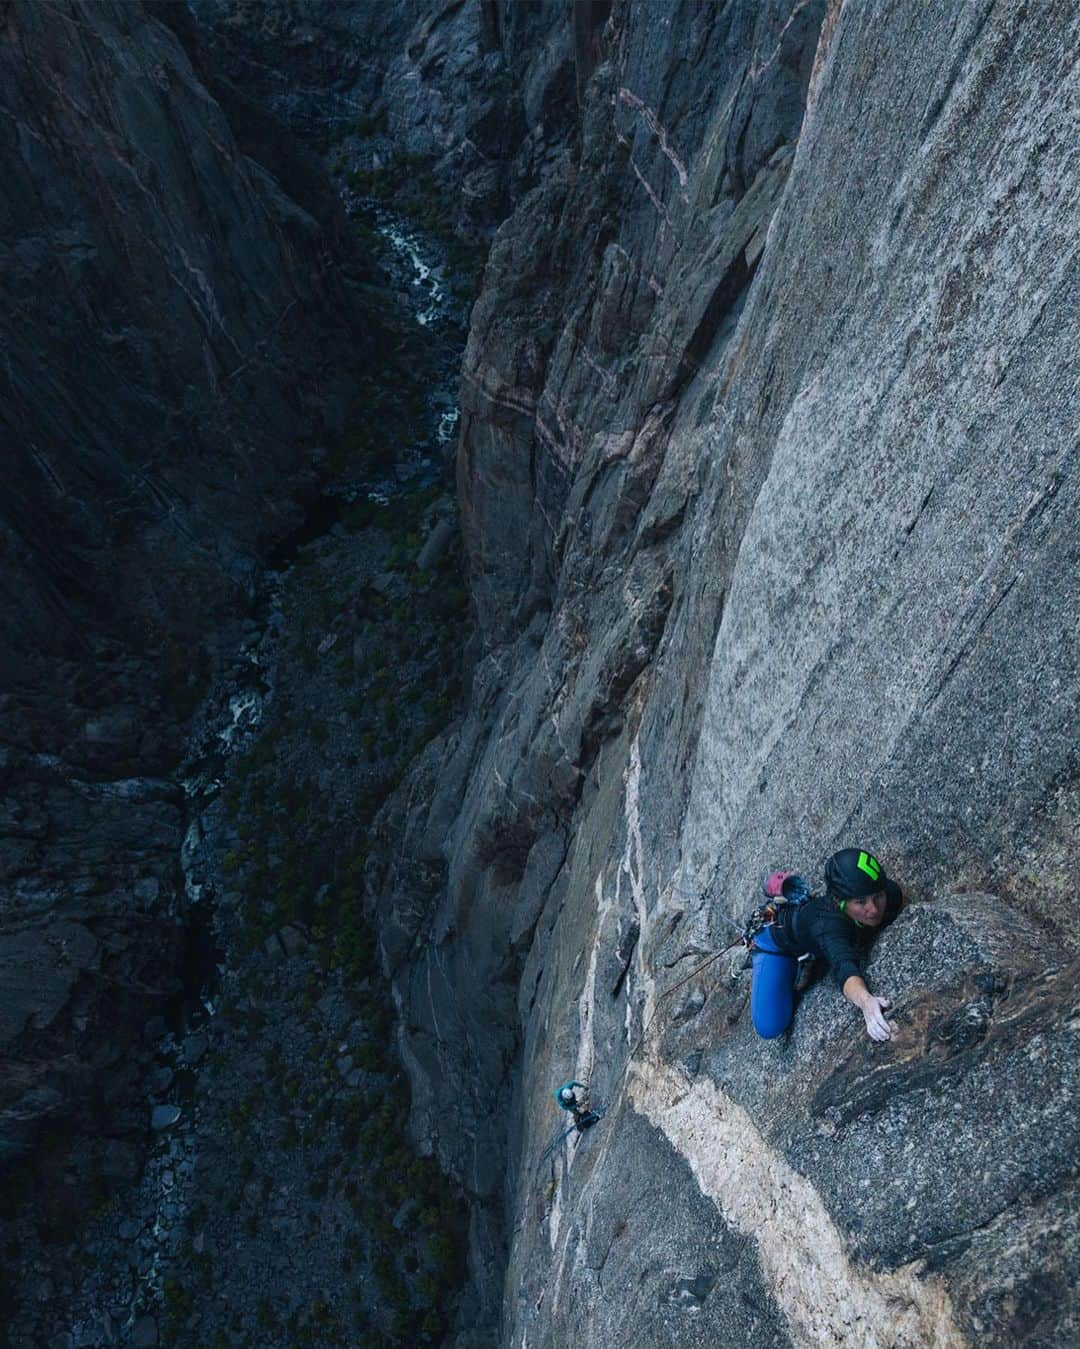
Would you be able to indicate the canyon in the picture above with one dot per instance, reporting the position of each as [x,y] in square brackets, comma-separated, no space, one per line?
[755,539]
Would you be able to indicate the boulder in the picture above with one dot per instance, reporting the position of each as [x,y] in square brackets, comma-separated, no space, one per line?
[164,1116]
[436,544]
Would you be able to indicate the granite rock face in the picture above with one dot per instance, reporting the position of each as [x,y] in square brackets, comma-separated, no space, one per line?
[767,487]
[315,66]
[177,339]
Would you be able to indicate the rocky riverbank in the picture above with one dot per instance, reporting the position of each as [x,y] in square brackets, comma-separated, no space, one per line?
[279,1102]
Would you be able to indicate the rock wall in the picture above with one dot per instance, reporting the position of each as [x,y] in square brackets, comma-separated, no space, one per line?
[766,476]
[178,341]
[192,389]
[318,67]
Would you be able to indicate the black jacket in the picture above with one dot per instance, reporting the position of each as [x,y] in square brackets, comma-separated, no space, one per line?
[820,928]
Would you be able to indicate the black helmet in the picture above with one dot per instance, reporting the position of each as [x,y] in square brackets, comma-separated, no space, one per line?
[853,874]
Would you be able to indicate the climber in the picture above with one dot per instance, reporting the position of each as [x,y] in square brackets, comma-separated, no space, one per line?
[567,1097]
[835,927]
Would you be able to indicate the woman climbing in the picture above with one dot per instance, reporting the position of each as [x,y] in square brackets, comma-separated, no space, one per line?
[567,1097]
[835,927]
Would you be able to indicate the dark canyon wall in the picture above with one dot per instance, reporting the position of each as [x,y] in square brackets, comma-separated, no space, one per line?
[483,94]
[169,311]
[178,340]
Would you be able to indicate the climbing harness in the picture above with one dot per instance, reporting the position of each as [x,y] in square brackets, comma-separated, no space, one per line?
[765,915]
[784,891]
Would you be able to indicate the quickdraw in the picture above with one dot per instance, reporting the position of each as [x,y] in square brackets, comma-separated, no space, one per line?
[768,913]
[762,917]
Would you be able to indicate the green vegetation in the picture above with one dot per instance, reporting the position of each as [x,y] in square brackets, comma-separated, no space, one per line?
[368,125]
[178,1301]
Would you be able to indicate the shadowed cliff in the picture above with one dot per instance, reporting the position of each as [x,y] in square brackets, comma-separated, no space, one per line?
[177,342]
[168,309]
[766,481]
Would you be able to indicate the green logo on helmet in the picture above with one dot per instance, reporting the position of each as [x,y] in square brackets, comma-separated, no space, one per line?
[870,865]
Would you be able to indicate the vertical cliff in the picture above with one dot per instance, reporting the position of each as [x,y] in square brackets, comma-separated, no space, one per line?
[766,480]
[482,94]
[193,389]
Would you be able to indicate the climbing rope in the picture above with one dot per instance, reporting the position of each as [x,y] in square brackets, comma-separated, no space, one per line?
[674,989]
[601,1110]
[763,916]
